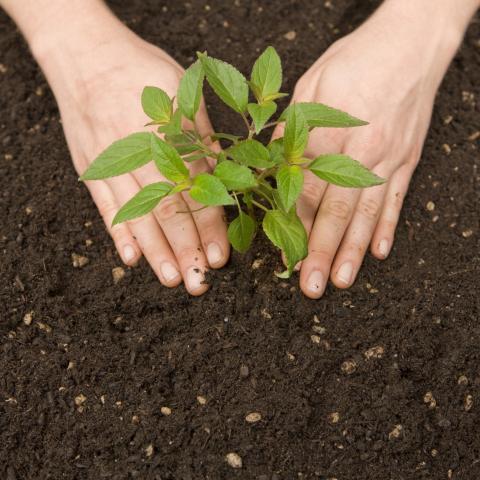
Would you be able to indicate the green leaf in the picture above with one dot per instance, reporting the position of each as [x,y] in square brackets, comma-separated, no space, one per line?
[295,138]
[343,171]
[189,93]
[241,232]
[261,114]
[319,115]
[121,157]
[227,82]
[289,184]
[235,176]
[276,151]
[209,190]
[194,157]
[143,202]
[250,153]
[287,232]
[168,161]
[182,143]
[157,104]
[267,74]
[174,127]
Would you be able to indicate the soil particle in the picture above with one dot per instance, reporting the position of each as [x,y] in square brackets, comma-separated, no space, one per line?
[253,417]
[234,460]
[79,261]
[117,274]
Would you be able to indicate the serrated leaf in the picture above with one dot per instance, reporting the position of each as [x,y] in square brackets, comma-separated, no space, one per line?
[261,114]
[289,184]
[320,115]
[168,161]
[227,82]
[250,153]
[241,232]
[157,104]
[194,157]
[189,93]
[276,151]
[174,127]
[295,137]
[182,143]
[235,176]
[209,190]
[143,202]
[344,171]
[120,157]
[287,232]
[267,74]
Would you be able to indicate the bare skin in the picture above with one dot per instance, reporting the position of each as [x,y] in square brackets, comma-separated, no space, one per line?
[387,72]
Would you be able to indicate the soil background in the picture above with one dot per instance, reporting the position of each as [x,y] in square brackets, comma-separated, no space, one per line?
[135,347]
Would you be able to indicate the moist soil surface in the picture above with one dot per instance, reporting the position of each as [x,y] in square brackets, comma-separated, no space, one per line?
[387,388]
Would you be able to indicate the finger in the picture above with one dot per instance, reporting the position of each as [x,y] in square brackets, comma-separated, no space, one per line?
[383,237]
[359,232]
[333,216]
[181,233]
[211,225]
[148,234]
[123,238]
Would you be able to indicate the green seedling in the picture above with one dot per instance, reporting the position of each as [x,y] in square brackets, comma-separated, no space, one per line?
[263,182]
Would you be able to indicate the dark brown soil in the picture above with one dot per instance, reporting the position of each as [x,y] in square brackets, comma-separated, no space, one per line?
[132,348]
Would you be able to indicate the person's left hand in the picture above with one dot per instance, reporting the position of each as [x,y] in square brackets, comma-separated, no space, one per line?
[382,78]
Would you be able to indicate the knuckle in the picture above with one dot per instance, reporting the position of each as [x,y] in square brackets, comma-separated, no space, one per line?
[369,208]
[339,209]
[107,210]
[169,208]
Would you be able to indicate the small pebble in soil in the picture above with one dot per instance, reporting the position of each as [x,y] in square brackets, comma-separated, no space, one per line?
[374,352]
[462,380]
[27,319]
[257,263]
[290,356]
[39,91]
[395,433]
[434,452]
[334,417]
[88,242]
[244,371]
[79,261]
[319,329]
[253,417]
[88,224]
[149,450]
[201,400]
[315,339]
[430,206]
[135,419]
[291,35]
[265,314]
[447,120]
[3,68]
[234,460]
[28,210]
[474,136]
[44,327]
[80,400]
[349,366]
[117,274]
[430,400]
[467,233]
[71,365]
[166,411]
[446,148]
[468,403]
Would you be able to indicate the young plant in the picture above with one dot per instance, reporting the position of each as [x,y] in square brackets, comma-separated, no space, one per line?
[250,176]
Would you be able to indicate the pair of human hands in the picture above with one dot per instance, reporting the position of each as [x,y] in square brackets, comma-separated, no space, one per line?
[369,73]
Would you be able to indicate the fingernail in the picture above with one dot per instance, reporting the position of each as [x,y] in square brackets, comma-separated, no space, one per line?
[345,272]
[316,283]
[169,272]
[195,279]
[128,253]
[214,253]
[383,248]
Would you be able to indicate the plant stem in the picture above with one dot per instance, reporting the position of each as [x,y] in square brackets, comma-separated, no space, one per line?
[259,205]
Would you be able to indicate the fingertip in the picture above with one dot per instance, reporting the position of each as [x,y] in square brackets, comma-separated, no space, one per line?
[130,255]
[381,249]
[195,281]
[217,255]
[344,276]
[313,284]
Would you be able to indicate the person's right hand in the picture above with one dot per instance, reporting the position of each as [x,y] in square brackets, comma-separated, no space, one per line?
[98,93]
